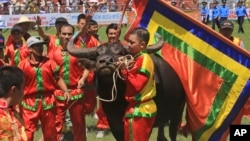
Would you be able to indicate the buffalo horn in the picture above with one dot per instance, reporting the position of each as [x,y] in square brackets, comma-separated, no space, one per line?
[155,47]
[89,53]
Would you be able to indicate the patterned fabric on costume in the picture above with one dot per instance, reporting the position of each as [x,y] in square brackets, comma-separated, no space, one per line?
[140,96]
[11,125]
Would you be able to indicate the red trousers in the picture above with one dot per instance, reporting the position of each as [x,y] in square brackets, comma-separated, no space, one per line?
[89,100]
[138,128]
[90,94]
[102,122]
[46,117]
[77,115]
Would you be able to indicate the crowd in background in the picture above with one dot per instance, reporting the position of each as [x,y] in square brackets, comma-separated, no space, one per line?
[12,7]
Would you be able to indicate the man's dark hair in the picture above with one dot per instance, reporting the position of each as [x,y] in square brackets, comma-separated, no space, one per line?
[141,33]
[92,22]
[111,26]
[81,16]
[10,76]
[67,25]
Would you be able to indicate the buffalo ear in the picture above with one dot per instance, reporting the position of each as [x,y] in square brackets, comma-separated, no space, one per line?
[86,63]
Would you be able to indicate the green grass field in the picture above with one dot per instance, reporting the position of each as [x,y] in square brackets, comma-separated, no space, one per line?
[91,122]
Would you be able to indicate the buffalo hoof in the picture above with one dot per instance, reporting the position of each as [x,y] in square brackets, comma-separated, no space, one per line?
[162,139]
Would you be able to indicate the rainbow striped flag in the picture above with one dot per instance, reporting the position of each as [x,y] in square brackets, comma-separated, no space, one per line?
[214,72]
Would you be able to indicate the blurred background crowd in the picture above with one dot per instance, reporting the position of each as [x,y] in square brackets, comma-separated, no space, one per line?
[13,7]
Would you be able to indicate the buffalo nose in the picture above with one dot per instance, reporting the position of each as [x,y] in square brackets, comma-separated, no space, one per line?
[106,59]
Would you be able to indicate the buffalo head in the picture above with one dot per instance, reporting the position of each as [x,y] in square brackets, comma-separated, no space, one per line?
[104,57]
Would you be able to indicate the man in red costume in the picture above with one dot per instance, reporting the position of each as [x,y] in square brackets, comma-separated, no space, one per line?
[71,73]
[41,79]
[141,88]
[17,49]
[53,41]
[83,39]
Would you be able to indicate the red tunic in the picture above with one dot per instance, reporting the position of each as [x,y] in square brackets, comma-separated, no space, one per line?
[89,42]
[54,42]
[16,55]
[39,81]
[69,68]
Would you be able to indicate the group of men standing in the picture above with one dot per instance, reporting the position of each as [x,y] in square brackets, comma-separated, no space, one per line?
[53,78]
[221,13]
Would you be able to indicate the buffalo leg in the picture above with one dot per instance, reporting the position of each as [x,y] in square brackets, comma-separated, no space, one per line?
[115,117]
[174,123]
[161,135]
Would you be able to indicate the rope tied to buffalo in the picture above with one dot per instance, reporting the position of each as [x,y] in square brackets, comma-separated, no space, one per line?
[123,62]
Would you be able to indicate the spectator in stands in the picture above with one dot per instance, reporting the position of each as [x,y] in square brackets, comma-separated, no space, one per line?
[20,7]
[240,12]
[204,13]
[103,7]
[33,7]
[6,8]
[173,2]
[113,6]
[215,15]
[11,8]
[50,7]
[224,11]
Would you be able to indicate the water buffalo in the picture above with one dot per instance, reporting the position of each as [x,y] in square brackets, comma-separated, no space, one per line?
[170,97]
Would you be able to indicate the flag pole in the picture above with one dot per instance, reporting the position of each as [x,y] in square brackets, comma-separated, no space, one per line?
[121,18]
